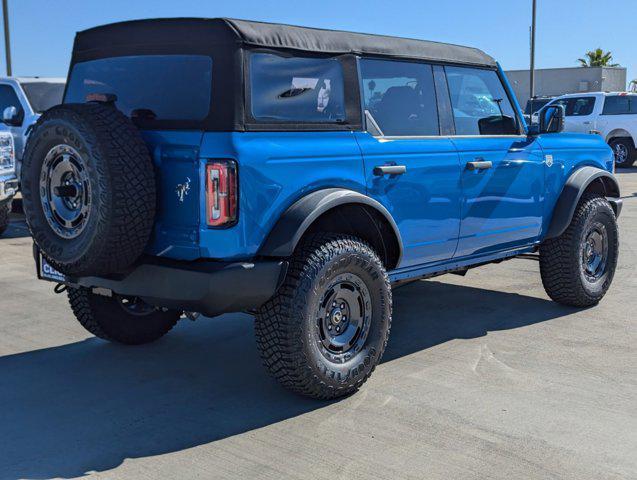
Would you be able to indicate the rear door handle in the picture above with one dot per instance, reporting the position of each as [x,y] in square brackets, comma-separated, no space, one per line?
[381,170]
[479,165]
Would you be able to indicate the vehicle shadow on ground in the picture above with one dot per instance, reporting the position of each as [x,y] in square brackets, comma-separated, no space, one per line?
[17,228]
[88,406]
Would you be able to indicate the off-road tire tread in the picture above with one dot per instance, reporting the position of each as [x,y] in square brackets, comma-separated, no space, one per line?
[278,333]
[86,315]
[131,196]
[559,270]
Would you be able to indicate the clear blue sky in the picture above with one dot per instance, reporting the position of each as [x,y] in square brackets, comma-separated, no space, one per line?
[42,30]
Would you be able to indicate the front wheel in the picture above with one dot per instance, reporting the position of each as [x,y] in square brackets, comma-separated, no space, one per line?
[326,329]
[624,151]
[577,267]
[127,320]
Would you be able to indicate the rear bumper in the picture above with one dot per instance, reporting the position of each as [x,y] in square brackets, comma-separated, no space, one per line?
[210,288]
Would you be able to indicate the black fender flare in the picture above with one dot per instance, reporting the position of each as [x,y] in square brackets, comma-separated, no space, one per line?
[573,190]
[294,222]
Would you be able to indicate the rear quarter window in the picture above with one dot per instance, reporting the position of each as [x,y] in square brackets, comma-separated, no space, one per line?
[620,105]
[296,89]
[152,87]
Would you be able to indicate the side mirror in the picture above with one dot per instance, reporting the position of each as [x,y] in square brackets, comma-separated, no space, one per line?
[551,119]
[11,116]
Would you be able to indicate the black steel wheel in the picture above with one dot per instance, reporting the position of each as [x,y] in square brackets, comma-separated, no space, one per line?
[595,252]
[344,316]
[65,191]
[326,329]
[578,267]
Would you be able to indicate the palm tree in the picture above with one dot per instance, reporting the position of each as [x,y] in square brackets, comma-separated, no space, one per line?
[597,58]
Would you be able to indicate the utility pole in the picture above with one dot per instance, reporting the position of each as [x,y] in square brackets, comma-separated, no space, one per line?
[532,69]
[7,41]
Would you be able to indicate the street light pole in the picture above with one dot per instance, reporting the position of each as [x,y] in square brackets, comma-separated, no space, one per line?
[7,41]
[532,69]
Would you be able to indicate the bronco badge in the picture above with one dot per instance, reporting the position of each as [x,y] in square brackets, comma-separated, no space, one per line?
[183,189]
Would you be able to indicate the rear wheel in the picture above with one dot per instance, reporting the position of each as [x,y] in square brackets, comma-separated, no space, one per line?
[127,320]
[577,267]
[624,151]
[5,209]
[326,329]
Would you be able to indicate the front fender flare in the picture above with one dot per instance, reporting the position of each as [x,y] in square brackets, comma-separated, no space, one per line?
[572,192]
[295,221]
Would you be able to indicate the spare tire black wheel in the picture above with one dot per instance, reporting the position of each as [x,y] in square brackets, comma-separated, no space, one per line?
[89,189]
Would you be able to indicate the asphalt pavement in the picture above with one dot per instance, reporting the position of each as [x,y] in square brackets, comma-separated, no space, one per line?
[483,378]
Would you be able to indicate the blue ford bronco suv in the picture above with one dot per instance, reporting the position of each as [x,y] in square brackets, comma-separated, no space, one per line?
[216,165]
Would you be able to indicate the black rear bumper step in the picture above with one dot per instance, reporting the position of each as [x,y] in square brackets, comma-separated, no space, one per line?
[207,287]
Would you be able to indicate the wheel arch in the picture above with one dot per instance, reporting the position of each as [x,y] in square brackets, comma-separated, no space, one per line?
[583,180]
[336,210]
[619,133]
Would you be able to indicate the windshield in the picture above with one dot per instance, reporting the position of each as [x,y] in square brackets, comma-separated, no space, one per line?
[152,87]
[43,95]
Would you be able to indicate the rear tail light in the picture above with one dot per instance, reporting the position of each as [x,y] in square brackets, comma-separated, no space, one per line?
[221,193]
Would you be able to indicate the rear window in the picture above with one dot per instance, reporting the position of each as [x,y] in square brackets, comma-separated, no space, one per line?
[43,95]
[296,89]
[620,105]
[150,87]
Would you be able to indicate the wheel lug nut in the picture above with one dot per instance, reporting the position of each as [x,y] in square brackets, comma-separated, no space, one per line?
[333,304]
[342,305]
[329,327]
[344,317]
[338,329]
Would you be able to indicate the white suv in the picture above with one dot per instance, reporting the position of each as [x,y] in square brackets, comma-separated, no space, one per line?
[612,115]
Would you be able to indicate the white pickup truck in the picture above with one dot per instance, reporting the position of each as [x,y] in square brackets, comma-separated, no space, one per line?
[610,114]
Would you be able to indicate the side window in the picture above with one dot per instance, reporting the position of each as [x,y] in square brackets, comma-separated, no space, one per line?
[580,106]
[616,105]
[296,89]
[8,98]
[480,103]
[400,96]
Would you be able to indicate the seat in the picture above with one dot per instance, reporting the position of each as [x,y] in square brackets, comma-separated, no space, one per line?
[398,111]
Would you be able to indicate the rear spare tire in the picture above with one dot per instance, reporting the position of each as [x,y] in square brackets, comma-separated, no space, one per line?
[89,189]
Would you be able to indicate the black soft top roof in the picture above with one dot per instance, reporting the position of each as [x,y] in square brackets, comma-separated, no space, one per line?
[154,33]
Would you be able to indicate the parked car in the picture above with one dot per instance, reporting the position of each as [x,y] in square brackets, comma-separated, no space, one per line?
[221,165]
[8,180]
[612,115]
[22,101]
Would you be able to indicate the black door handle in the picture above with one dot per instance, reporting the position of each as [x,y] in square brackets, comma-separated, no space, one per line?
[381,170]
[479,165]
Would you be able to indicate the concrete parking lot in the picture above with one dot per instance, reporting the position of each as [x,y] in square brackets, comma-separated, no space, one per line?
[483,378]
